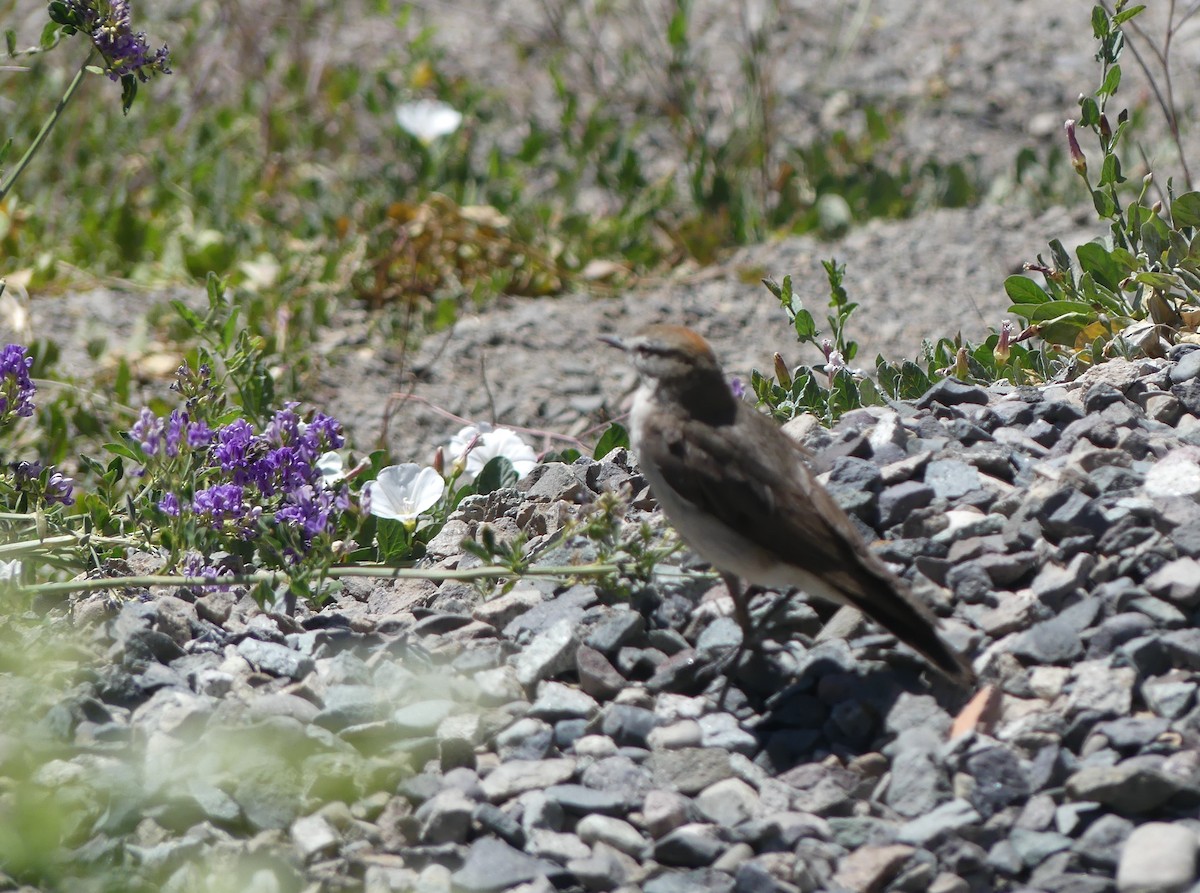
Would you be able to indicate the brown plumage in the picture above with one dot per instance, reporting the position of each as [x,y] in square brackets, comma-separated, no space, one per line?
[740,493]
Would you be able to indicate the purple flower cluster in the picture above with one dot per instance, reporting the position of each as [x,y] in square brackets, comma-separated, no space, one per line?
[155,434]
[272,471]
[56,486]
[16,387]
[224,508]
[108,24]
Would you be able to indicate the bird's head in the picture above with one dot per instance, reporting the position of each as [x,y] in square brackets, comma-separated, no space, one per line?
[669,355]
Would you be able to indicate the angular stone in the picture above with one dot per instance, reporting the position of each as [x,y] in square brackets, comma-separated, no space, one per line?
[869,868]
[492,866]
[517,776]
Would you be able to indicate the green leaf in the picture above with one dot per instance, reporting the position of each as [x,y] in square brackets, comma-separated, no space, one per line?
[1185,210]
[806,326]
[1110,171]
[1089,113]
[189,316]
[616,437]
[1111,82]
[677,30]
[1023,290]
[1052,310]
[1126,14]
[1094,259]
[1105,206]
[129,88]
[120,449]
[10,41]
[393,539]
[1100,24]
[495,475]
[1164,281]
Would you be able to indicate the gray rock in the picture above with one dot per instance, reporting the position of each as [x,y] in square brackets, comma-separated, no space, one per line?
[423,717]
[1177,581]
[278,660]
[619,628]
[446,817]
[664,811]
[1128,787]
[952,392]
[556,846]
[689,770]
[565,608]
[1158,857]
[918,784]
[1034,847]
[620,776]
[549,653]
[951,479]
[627,724]
[1101,843]
[935,824]
[722,730]
[689,846]
[557,701]
[492,866]
[999,779]
[618,834]
[1171,695]
[597,676]
[1183,647]
[706,879]
[728,802]
[517,776]
[1052,641]
[581,800]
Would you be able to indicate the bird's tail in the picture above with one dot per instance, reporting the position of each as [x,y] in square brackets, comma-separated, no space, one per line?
[890,604]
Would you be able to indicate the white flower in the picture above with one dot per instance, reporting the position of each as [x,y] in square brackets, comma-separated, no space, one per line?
[492,442]
[330,466]
[428,119]
[10,571]
[401,492]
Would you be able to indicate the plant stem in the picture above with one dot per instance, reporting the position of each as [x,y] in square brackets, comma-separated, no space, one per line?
[7,185]
[273,578]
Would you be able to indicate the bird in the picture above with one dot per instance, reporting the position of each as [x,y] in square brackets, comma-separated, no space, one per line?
[741,494]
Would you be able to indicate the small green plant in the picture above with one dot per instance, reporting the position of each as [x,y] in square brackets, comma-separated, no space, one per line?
[1136,292]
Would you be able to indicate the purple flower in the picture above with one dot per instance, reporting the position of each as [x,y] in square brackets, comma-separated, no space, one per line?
[223,506]
[196,565]
[44,484]
[60,488]
[199,435]
[108,24]
[147,431]
[309,510]
[16,387]
[1077,160]
[235,443]
[169,505]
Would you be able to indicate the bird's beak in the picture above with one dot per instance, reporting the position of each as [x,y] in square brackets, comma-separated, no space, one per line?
[614,341]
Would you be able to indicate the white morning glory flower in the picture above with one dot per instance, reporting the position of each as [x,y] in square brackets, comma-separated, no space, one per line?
[492,442]
[401,492]
[428,119]
[330,466]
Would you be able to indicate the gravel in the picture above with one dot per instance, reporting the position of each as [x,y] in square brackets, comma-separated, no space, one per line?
[507,740]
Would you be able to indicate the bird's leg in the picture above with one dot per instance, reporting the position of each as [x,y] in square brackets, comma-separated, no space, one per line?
[741,613]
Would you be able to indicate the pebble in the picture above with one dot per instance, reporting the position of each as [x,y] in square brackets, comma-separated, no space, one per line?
[1158,857]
